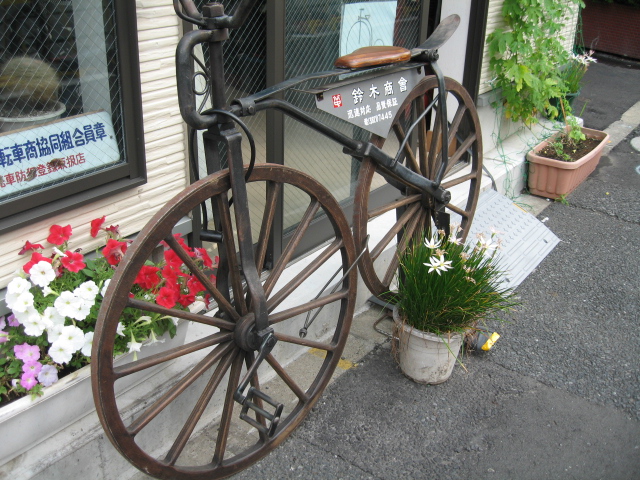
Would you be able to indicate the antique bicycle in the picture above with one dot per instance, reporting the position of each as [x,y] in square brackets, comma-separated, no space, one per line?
[248,387]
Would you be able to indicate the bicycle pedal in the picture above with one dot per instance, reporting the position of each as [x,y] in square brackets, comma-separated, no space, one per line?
[272,419]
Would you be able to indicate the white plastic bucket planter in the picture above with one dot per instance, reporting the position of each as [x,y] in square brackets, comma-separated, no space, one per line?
[425,357]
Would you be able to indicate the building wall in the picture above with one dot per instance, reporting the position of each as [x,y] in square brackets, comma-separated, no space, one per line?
[164,138]
[611,28]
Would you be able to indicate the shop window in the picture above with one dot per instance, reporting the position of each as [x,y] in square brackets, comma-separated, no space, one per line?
[70,114]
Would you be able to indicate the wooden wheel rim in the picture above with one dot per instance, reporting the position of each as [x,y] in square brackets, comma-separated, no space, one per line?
[103,377]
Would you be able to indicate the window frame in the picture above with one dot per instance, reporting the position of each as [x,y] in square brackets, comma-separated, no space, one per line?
[47,202]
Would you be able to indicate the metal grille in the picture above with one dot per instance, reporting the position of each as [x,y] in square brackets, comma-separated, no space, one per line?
[60,105]
[317,33]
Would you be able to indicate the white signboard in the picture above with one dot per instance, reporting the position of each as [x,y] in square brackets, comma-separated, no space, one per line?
[366,24]
[64,149]
[371,104]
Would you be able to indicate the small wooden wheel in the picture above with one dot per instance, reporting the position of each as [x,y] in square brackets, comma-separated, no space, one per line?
[415,213]
[190,428]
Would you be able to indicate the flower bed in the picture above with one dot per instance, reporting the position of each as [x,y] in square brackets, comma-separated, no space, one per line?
[55,300]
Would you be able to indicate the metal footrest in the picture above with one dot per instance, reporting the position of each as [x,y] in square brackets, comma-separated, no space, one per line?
[271,419]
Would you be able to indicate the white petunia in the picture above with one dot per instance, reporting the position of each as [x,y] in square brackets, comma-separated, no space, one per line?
[54,332]
[87,291]
[88,342]
[81,309]
[134,346]
[59,252]
[120,329]
[153,339]
[22,302]
[104,287]
[52,315]
[46,291]
[67,304]
[18,285]
[74,336]
[61,350]
[35,324]
[25,315]
[42,274]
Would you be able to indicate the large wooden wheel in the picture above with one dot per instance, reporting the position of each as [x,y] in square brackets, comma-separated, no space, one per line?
[191,427]
[413,212]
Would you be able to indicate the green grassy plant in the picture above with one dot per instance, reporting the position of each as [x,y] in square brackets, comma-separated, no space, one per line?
[445,286]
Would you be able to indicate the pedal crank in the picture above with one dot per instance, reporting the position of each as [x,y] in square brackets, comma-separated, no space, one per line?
[272,419]
[247,401]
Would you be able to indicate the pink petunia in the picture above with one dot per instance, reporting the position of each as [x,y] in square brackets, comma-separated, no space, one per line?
[13,321]
[4,336]
[27,353]
[73,261]
[32,369]
[28,381]
[59,235]
[95,226]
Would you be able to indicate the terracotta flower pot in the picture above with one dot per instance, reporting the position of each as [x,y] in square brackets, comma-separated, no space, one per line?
[553,178]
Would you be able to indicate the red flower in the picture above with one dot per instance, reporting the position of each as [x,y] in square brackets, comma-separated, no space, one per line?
[148,277]
[195,286]
[172,259]
[30,246]
[202,254]
[74,261]
[35,258]
[95,226]
[186,300]
[115,229]
[114,251]
[58,235]
[167,297]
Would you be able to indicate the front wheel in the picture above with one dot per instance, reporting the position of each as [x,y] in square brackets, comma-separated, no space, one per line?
[190,427]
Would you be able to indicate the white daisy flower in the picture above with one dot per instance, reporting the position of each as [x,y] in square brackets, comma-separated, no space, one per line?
[438,265]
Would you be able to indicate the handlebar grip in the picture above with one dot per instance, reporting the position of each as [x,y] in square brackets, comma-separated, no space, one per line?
[184,77]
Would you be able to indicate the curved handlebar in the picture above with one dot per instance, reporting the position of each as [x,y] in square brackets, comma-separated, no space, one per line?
[184,78]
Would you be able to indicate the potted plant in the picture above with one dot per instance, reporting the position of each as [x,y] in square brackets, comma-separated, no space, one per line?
[525,55]
[563,161]
[55,300]
[445,288]
[45,342]
[28,94]
[571,80]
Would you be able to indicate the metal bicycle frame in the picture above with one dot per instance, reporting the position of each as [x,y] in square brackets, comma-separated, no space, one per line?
[213,31]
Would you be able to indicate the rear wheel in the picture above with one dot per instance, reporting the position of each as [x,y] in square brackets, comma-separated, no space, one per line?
[408,212]
[189,427]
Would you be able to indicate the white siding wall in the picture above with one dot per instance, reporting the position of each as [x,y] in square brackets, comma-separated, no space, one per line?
[164,137]
[494,21]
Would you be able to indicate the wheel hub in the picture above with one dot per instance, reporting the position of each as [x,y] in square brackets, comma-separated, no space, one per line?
[245,334]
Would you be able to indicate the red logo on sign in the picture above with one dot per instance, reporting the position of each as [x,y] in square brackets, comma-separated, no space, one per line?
[337,100]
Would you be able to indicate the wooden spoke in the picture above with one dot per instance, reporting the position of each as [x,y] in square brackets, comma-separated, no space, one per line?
[227,411]
[182,438]
[158,358]
[307,343]
[288,380]
[184,314]
[154,410]
[307,307]
[287,254]
[273,194]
